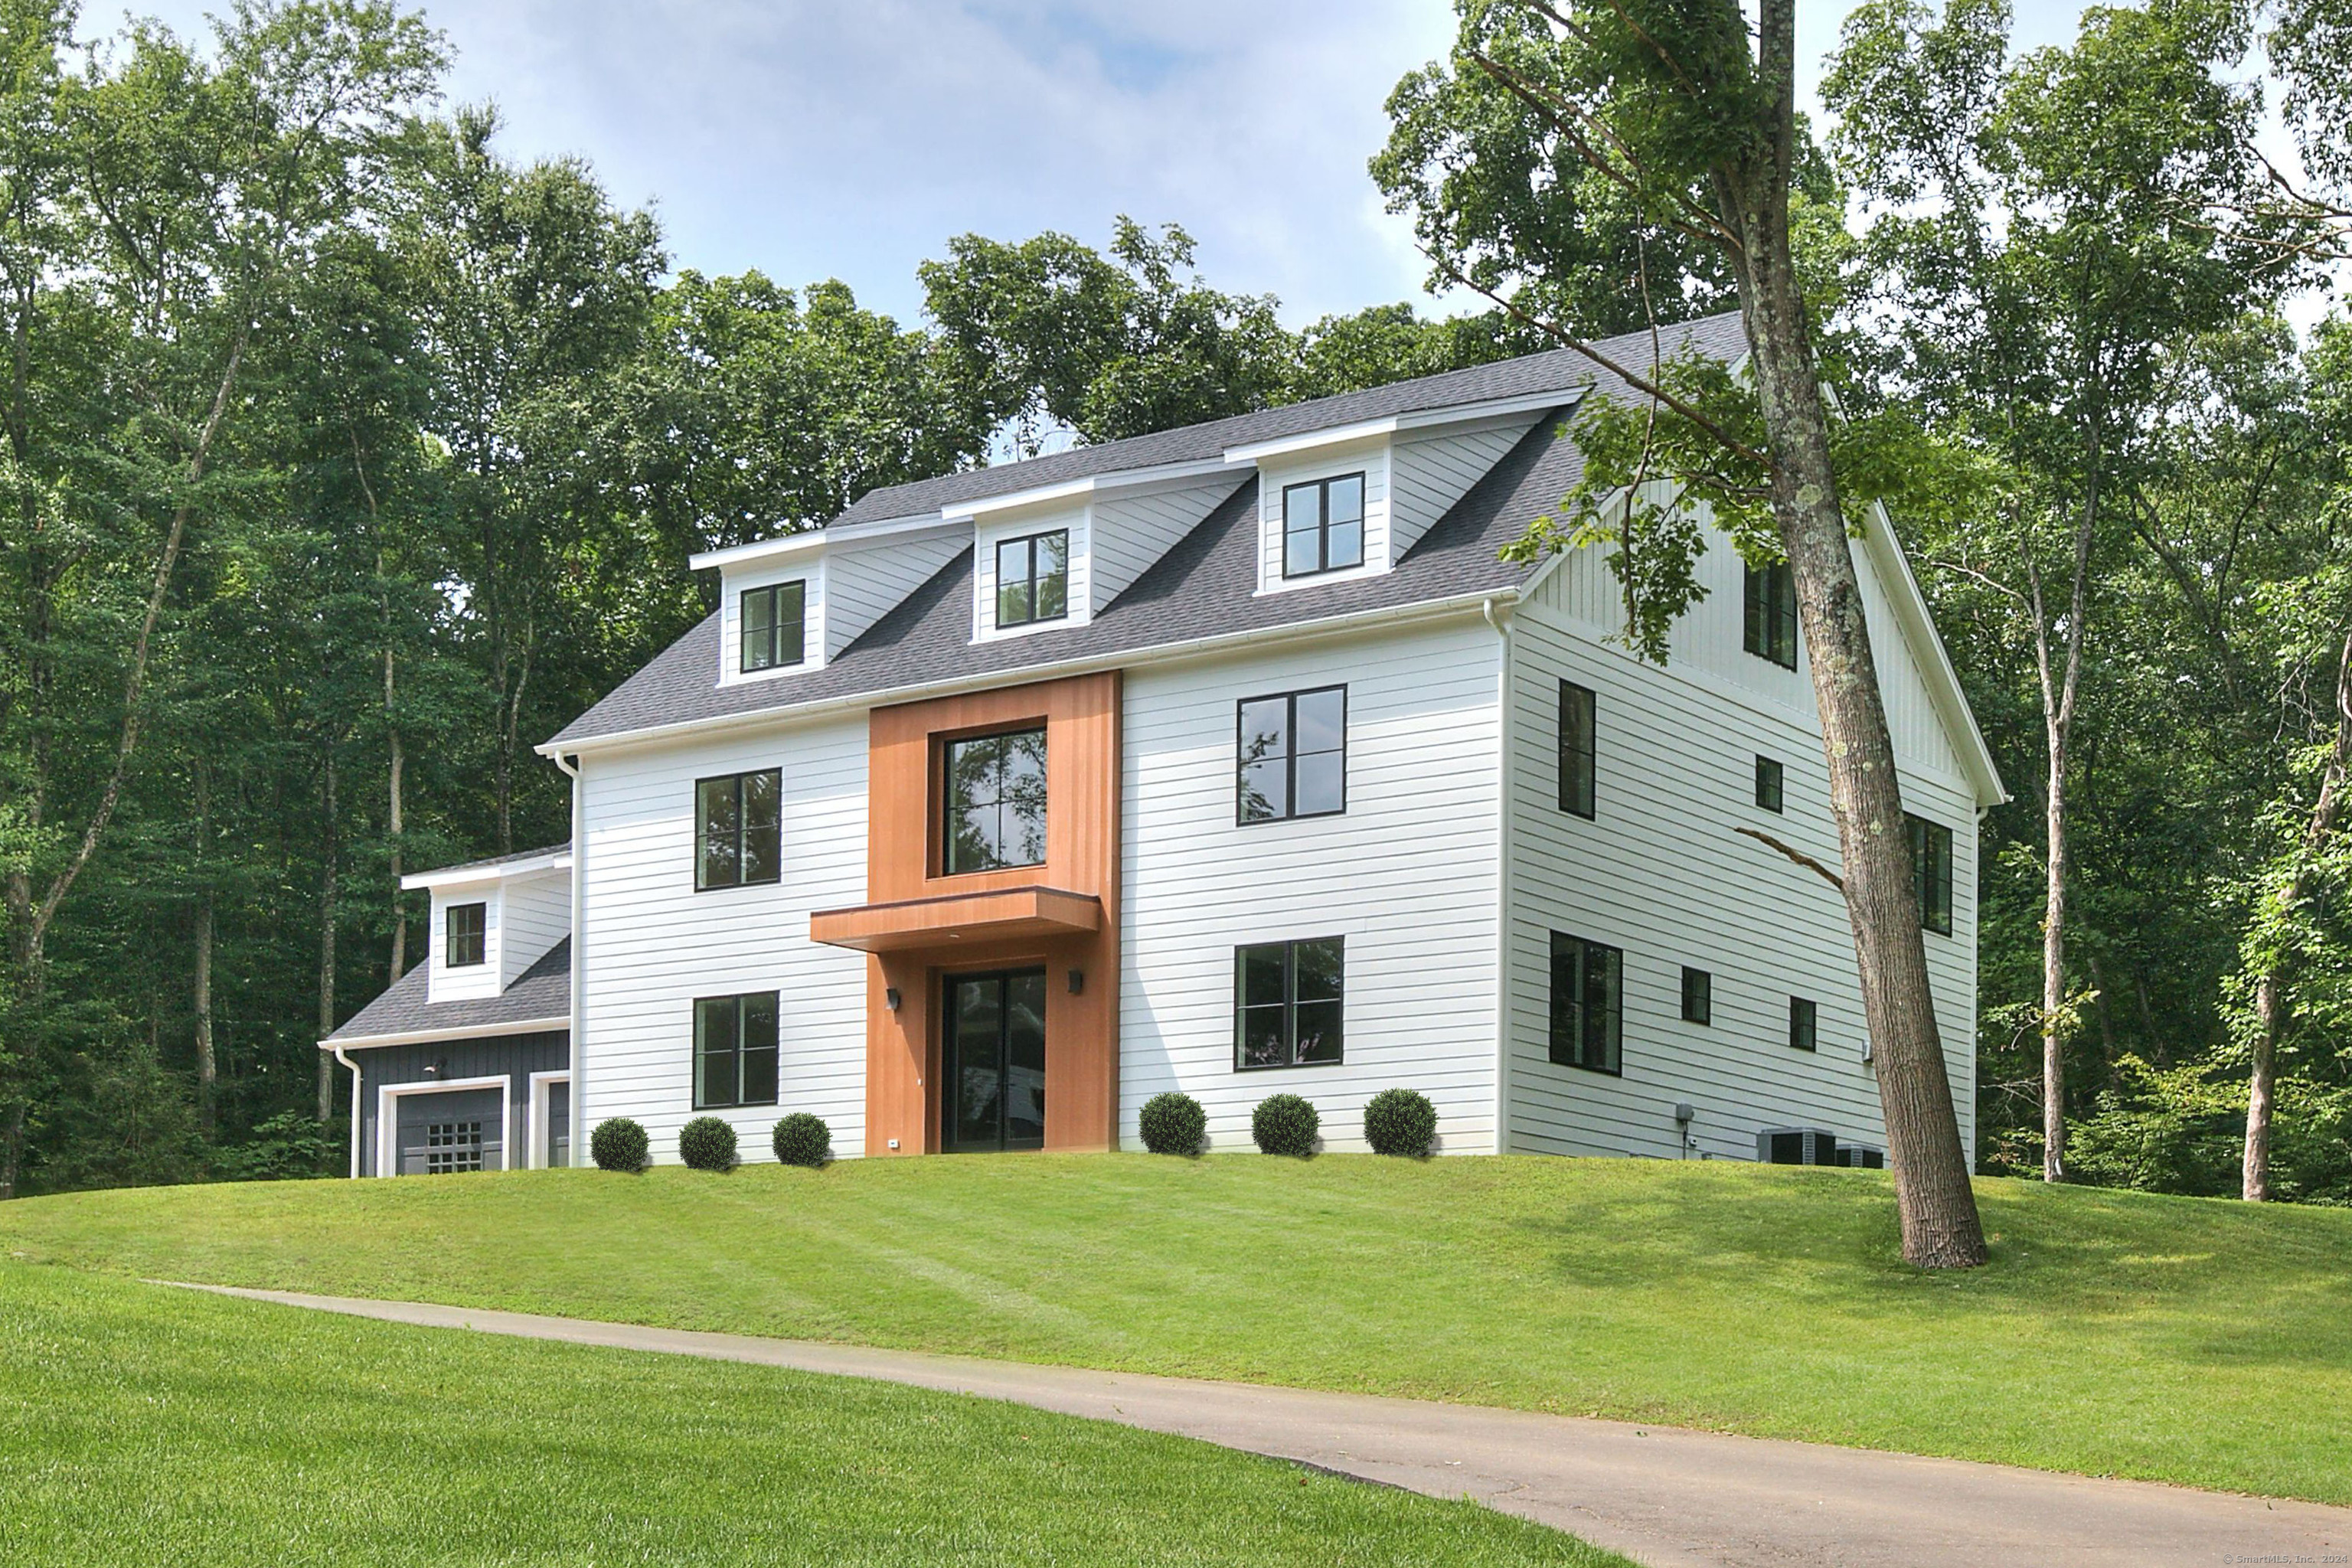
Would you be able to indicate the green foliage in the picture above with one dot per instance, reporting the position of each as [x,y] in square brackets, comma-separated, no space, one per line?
[619,1143]
[1285,1124]
[1173,1123]
[801,1139]
[288,1146]
[707,1144]
[1400,1121]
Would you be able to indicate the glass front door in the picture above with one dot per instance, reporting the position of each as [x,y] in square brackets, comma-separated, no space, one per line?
[996,1062]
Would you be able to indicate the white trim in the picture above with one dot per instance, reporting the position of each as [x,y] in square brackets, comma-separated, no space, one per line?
[453,1032]
[1052,670]
[1399,423]
[1118,481]
[355,1068]
[462,876]
[811,541]
[534,1118]
[387,1115]
[1504,880]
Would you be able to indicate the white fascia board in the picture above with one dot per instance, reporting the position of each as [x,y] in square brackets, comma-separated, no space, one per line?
[1403,423]
[811,542]
[454,1032]
[465,876]
[1119,483]
[862,701]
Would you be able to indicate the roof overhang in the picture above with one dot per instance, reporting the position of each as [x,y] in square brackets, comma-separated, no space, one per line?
[500,871]
[1005,914]
[1096,487]
[454,1032]
[1426,419]
[811,542]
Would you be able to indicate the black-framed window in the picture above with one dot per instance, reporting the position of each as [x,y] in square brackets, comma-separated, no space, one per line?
[465,935]
[1579,726]
[1289,1009]
[1291,755]
[1931,871]
[741,834]
[1769,783]
[1032,578]
[995,802]
[774,624]
[1771,618]
[734,1050]
[1323,525]
[1588,1005]
[1802,1022]
[1698,995]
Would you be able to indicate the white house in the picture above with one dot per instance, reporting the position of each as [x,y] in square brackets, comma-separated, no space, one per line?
[1229,759]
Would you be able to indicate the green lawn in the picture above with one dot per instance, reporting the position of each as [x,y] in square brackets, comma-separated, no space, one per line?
[2202,1343]
[139,1425]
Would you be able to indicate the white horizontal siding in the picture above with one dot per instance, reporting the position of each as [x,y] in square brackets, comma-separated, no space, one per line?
[804,570]
[653,945]
[1370,459]
[1663,874]
[864,586]
[537,914]
[1407,876]
[1130,532]
[475,981]
[1427,476]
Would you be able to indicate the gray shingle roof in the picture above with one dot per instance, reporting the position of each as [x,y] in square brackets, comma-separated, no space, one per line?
[1204,586]
[542,990]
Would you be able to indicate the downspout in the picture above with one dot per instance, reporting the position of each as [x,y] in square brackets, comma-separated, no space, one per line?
[1501,626]
[579,953]
[355,1107]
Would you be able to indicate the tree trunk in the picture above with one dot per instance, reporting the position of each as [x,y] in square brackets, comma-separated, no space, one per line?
[2273,1005]
[206,1071]
[1937,1205]
[392,825]
[2061,691]
[327,950]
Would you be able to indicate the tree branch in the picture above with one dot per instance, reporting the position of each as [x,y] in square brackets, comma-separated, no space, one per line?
[1799,855]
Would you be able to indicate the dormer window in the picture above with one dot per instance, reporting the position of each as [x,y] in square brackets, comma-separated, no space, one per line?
[1033,579]
[774,625]
[464,943]
[1323,526]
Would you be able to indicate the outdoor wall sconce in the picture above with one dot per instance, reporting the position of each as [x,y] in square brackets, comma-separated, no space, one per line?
[1078,980]
[890,997]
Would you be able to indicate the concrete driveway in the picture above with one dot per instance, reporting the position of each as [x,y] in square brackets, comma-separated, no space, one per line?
[1663,1496]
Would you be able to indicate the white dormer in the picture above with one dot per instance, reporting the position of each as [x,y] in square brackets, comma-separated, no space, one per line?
[490,921]
[1352,500]
[790,605]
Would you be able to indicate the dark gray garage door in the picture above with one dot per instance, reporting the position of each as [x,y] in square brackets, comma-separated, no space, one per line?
[451,1131]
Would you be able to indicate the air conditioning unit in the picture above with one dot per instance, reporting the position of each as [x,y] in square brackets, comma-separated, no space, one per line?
[1862,1157]
[1796,1146]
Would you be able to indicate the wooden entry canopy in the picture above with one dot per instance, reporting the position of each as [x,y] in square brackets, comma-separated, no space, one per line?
[919,924]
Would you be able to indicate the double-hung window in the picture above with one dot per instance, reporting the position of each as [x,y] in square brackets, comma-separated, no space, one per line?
[1588,1006]
[742,829]
[1032,578]
[1771,628]
[734,1050]
[1287,1003]
[774,625]
[1322,526]
[464,935]
[1931,871]
[1292,756]
[1578,727]
[995,802]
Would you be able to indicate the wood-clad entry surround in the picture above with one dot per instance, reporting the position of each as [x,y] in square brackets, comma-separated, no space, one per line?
[920,926]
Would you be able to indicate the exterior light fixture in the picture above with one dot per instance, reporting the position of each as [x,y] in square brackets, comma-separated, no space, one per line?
[1078,980]
[890,997]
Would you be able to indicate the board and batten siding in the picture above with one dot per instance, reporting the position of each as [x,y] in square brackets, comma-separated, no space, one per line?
[1663,874]
[652,944]
[1407,875]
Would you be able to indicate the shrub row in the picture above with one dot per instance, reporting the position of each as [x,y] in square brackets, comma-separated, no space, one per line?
[708,1143]
[1396,1121]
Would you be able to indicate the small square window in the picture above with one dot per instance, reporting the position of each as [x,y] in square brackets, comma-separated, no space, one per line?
[774,625]
[465,936]
[1800,1023]
[1768,784]
[1698,995]
[1323,526]
[1033,579]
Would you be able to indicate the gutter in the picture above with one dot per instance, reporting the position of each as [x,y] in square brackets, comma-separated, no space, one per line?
[449,1032]
[355,1107]
[1501,627]
[1156,653]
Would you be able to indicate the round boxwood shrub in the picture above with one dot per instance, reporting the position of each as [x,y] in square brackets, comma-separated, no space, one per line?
[618,1144]
[1400,1121]
[804,1140]
[1285,1124]
[1173,1123]
[707,1144]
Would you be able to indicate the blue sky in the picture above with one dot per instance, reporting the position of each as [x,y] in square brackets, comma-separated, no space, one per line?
[813,140]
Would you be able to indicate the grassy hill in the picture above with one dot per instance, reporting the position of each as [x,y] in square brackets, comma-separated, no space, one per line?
[2202,1343]
[140,1424]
